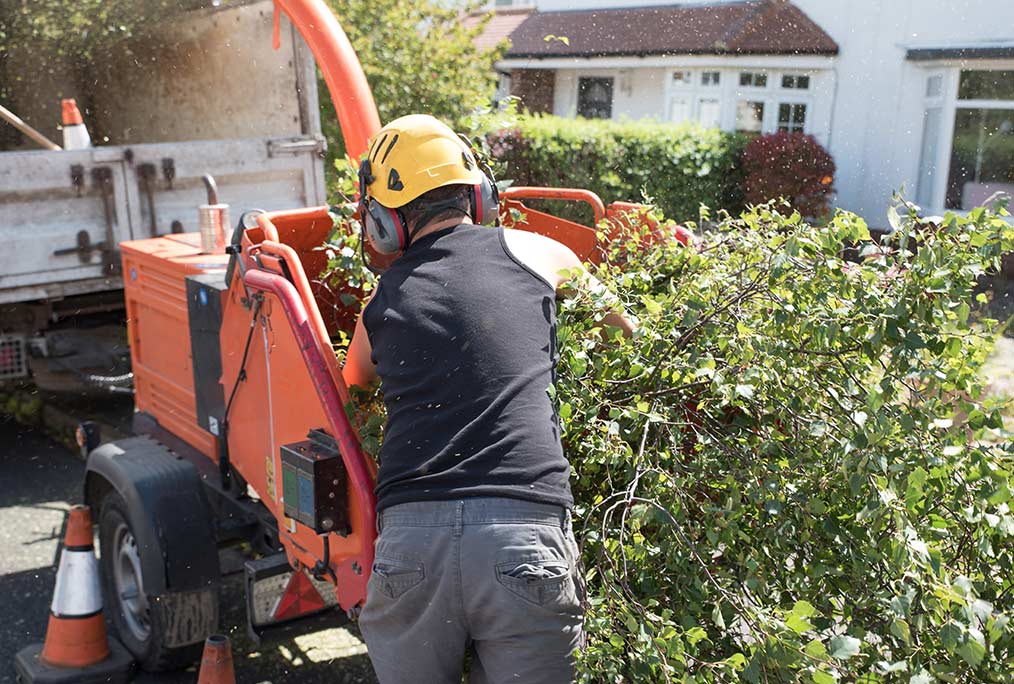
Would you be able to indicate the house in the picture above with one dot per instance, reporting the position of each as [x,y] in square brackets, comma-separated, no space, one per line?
[912,95]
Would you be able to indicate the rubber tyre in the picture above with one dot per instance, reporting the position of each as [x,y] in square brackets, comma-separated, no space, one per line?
[152,654]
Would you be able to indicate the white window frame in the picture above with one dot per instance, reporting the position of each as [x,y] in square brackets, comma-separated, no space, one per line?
[729,93]
[711,86]
[694,91]
[807,117]
[795,74]
[948,102]
[753,88]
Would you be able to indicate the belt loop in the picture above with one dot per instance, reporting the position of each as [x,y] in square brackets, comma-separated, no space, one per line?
[380,522]
[459,510]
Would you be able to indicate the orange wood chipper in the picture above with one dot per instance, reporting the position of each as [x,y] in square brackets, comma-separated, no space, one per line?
[241,433]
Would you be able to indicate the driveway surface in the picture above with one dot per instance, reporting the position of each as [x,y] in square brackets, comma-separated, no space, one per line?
[39,481]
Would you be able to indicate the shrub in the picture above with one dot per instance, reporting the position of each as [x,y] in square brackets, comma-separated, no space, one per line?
[678,167]
[793,166]
[789,474]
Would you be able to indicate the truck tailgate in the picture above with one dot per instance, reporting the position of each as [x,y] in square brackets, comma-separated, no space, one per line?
[63,213]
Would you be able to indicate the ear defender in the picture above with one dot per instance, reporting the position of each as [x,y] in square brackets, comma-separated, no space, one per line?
[484,198]
[385,227]
[486,201]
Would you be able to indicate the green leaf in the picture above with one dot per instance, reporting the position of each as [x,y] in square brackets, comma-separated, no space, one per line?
[695,634]
[900,629]
[823,677]
[1001,495]
[844,647]
[816,650]
[972,651]
[797,623]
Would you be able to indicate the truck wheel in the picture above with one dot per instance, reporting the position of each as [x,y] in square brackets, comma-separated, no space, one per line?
[141,621]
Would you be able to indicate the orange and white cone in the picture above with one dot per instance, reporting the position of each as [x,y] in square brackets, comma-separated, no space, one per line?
[77,648]
[216,663]
[75,134]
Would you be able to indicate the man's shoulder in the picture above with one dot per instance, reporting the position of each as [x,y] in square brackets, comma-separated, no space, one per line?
[541,253]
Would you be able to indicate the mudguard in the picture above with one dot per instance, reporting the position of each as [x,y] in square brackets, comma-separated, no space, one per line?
[167,508]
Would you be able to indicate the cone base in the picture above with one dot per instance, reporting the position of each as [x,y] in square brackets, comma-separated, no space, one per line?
[116,669]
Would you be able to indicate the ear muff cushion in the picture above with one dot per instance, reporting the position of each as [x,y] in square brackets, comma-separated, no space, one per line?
[385,229]
[477,207]
[400,229]
[487,201]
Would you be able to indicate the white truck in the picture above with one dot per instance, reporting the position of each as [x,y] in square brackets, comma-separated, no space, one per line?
[205,95]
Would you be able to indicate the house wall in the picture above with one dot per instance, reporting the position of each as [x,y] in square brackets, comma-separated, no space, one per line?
[871,103]
[642,87]
[877,124]
[637,92]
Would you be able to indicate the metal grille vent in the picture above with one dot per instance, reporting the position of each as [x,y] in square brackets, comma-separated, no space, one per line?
[13,360]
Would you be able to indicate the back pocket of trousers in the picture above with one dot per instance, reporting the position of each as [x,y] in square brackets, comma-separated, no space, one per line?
[394,576]
[542,582]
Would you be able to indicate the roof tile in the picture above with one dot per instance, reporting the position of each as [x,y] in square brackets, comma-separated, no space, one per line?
[500,26]
[748,27]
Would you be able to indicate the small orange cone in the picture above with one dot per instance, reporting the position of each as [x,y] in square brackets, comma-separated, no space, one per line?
[216,663]
[75,135]
[76,647]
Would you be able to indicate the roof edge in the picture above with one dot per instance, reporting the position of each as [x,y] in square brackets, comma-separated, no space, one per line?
[985,52]
[650,53]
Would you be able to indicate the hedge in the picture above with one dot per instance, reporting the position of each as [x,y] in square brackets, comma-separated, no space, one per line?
[679,167]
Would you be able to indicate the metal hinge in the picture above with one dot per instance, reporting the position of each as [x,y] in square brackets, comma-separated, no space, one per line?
[297,146]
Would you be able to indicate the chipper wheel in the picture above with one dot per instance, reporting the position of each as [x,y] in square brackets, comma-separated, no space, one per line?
[146,624]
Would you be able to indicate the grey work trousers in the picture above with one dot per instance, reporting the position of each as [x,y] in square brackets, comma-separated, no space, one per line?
[495,576]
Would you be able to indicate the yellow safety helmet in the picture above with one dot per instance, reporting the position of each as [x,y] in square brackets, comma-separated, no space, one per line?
[407,158]
[415,154]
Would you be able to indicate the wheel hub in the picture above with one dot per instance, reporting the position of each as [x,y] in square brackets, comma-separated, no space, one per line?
[127,581]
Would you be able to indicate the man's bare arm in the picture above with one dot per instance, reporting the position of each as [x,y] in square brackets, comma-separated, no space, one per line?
[557,263]
[359,369]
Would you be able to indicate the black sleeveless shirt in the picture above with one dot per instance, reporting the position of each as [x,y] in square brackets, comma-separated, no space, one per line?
[464,338]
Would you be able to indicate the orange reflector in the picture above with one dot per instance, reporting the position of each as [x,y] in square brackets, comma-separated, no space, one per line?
[300,598]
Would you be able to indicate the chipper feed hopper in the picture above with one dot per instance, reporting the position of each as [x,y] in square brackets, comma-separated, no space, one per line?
[241,433]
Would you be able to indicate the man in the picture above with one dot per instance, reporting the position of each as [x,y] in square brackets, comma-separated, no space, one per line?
[476,549]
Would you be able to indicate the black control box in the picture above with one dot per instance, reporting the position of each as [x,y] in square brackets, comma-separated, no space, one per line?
[205,300]
[315,484]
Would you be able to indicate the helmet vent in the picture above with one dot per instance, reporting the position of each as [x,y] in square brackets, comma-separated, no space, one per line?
[376,147]
[389,147]
[394,181]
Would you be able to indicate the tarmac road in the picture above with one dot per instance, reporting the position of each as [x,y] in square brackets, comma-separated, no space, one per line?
[39,481]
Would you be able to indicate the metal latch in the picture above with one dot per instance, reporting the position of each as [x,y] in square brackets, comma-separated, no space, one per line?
[146,175]
[83,249]
[298,146]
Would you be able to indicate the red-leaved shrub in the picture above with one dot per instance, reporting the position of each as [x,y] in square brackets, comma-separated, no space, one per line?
[790,165]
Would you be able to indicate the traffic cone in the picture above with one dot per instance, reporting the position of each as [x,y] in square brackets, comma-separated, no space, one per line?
[216,663]
[75,135]
[76,647]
